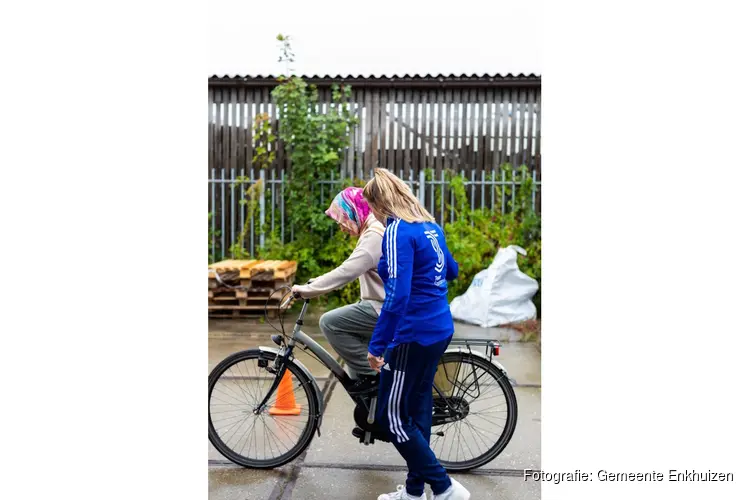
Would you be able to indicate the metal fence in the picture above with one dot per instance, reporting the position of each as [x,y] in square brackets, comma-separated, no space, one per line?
[228,212]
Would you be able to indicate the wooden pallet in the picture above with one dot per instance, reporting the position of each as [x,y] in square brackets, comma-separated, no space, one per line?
[233,297]
[254,270]
[260,281]
[233,312]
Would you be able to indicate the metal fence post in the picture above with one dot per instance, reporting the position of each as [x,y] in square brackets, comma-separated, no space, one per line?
[432,192]
[484,187]
[291,230]
[473,188]
[282,207]
[223,218]
[442,197]
[330,197]
[262,208]
[502,187]
[213,214]
[242,205]
[232,223]
[252,218]
[273,202]
[421,187]
[492,190]
[453,204]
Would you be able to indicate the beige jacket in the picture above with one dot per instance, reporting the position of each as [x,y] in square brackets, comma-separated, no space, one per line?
[362,264]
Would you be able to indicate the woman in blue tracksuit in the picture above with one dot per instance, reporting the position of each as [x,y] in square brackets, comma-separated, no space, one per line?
[412,333]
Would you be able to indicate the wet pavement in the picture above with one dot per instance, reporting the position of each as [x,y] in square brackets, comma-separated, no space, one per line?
[336,466]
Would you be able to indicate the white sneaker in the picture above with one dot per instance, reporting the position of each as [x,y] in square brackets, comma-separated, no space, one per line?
[455,492]
[401,494]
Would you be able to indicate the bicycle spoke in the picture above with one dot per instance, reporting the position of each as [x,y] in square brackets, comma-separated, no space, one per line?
[280,421]
[251,435]
[258,395]
[245,432]
[284,430]
[495,406]
[242,391]
[451,448]
[485,419]
[476,433]
[271,435]
[254,392]
[224,411]
[481,414]
[482,429]
[224,419]
[239,425]
[244,403]
[486,394]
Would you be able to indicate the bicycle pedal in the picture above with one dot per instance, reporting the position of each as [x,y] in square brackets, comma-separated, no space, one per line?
[360,434]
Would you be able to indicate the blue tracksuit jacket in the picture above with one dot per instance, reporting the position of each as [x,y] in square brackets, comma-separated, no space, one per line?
[415,267]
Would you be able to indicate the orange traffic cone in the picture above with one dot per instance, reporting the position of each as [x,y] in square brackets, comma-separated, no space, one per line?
[285,403]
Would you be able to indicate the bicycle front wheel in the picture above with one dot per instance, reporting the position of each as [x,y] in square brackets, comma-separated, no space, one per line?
[474,411]
[265,437]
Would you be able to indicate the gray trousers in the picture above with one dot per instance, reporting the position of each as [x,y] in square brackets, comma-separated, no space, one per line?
[349,330]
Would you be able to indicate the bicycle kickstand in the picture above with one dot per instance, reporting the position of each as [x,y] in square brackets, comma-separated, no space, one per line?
[367,439]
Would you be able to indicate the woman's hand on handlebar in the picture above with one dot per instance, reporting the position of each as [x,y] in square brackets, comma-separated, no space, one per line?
[296,293]
[296,290]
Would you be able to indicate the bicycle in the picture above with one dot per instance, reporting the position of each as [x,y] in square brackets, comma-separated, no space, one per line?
[464,389]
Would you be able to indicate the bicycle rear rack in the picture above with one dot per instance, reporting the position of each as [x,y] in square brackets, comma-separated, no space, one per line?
[491,347]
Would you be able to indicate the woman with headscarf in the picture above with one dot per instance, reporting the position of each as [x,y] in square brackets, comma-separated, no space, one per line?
[349,328]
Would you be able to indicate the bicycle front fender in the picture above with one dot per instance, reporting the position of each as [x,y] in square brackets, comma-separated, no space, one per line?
[320,402]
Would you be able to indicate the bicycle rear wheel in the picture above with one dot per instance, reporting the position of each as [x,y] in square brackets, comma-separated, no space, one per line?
[276,433]
[474,412]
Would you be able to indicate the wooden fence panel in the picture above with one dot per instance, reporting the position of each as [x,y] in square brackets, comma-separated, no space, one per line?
[405,128]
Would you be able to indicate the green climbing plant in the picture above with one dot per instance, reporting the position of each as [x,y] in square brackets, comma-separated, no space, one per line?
[314,135]
[263,144]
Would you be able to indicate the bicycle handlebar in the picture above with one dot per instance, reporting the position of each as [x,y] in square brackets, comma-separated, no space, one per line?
[293,295]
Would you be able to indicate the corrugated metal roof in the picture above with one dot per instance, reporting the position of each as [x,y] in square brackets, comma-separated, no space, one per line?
[383,80]
[385,77]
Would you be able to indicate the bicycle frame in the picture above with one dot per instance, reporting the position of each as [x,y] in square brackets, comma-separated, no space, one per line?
[309,344]
[300,337]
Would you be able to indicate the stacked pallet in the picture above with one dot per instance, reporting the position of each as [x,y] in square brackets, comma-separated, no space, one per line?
[258,278]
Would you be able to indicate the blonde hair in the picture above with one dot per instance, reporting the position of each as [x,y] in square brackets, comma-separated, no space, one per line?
[390,196]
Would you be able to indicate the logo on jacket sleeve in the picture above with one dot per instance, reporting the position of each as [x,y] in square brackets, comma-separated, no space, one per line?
[432,235]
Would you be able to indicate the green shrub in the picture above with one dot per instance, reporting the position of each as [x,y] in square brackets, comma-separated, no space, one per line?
[476,235]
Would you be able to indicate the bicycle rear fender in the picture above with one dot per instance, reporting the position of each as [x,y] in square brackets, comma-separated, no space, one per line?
[474,353]
[318,393]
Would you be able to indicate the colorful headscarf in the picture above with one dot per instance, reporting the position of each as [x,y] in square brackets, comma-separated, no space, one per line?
[350,209]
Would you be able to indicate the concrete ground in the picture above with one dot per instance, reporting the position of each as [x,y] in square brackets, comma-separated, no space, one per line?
[337,467]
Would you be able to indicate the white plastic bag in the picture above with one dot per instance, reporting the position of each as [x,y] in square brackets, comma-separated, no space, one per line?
[498,295]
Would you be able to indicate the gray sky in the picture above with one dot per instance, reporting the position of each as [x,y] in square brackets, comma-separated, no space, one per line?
[383,37]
